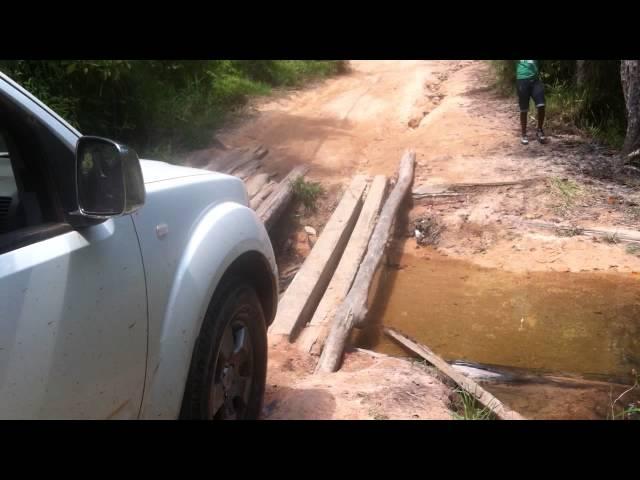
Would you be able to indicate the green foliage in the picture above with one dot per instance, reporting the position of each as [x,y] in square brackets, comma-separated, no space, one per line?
[159,107]
[468,407]
[307,192]
[597,107]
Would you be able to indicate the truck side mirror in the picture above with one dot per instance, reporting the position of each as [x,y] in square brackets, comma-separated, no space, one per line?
[109,179]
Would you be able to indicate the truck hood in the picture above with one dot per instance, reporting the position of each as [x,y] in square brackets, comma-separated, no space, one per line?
[156,171]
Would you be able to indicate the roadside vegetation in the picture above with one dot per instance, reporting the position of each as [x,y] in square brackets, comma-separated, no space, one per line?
[466,407]
[619,410]
[158,107]
[581,96]
[307,193]
[566,193]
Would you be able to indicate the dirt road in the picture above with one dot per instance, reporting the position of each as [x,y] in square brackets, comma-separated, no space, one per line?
[462,133]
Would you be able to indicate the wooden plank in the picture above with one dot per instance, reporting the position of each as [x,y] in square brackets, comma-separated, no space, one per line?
[260,152]
[262,194]
[272,207]
[353,310]
[255,184]
[306,289]
[485,398]
[248,170]
[312,338]
[238,161]
[219,163]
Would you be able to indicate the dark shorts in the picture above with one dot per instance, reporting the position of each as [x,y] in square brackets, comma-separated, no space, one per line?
[530,88]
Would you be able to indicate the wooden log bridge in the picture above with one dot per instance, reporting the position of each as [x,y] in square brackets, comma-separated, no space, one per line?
[353,310]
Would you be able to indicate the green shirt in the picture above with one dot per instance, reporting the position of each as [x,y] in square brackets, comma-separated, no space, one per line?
[527,69]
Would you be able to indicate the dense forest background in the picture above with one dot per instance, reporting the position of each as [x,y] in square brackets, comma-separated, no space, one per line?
[157,106]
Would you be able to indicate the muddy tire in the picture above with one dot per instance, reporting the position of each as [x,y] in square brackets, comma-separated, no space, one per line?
[229,363]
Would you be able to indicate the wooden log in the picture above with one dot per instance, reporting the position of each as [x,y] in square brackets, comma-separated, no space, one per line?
[260,152]
[354,308]
[271,208]
[485,398]
[248,170]
[238,162]
[262,194]
[255,184]
[303,295]
[219,163]
[313,336]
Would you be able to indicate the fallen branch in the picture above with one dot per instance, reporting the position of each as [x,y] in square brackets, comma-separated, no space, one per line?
[591,232]
[485,398]
[353,310]
[509,183]
[418,196]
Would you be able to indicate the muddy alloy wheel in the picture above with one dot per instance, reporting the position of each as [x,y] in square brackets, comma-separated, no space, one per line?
[229,363]
[233,375]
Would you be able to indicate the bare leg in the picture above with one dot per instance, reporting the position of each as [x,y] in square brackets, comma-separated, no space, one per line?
[540,134]
[540,117]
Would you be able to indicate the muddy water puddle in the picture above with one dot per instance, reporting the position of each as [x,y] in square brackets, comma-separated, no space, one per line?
[583,325]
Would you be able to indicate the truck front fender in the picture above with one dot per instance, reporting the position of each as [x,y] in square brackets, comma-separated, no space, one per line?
[227,232]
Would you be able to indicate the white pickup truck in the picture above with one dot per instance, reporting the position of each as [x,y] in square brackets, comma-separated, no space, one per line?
[128,288]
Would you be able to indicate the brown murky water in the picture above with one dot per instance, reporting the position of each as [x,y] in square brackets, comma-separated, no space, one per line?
[585,324]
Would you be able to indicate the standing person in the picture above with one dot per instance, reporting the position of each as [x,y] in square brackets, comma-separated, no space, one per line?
[529,86]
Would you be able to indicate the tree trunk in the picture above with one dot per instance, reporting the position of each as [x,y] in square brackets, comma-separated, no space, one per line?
[630,76]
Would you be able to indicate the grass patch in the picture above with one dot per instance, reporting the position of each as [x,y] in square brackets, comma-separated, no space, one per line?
[467,407]
[611,238]
[563,107]
[307,193]
[569,232]
[566,193]
[631,411]
[377,415]
[609,133]
[633,249]
[633,213]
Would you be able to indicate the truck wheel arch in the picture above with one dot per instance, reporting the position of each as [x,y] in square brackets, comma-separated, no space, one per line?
[254,267]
